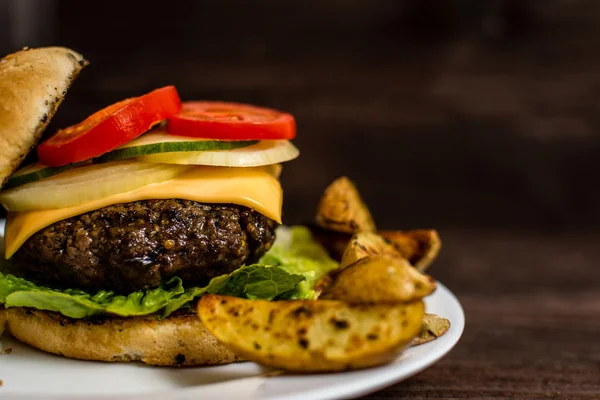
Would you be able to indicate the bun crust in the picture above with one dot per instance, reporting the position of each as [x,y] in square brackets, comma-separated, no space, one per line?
[179,340]
[33,83]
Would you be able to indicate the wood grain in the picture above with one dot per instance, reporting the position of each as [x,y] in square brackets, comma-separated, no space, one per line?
[461,113]
[532,329]
[479,118]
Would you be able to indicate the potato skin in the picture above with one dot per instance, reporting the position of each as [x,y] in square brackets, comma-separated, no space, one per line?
[379,279]
[365,244]
[312,336]
[341,209]
[434,326]
[421,246]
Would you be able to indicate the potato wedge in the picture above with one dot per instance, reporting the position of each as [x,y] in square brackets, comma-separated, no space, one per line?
[379,279]
[364,244]
[311,336]
[434,326]
[341,209]
[322,283]
[420,247]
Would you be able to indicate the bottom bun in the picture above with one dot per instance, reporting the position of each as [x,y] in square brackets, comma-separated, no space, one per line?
[179,340]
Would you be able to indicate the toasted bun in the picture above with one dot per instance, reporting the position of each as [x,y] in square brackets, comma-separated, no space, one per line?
[33,83]
[179,340]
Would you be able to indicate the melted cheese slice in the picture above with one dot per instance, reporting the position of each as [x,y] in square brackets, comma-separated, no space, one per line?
[257,188]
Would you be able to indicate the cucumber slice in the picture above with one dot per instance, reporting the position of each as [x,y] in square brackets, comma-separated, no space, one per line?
[87,183]
[35,172]
[266,152]
[153,142]
[156,142]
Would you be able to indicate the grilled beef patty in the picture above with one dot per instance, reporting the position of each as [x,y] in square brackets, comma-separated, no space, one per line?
[138,245]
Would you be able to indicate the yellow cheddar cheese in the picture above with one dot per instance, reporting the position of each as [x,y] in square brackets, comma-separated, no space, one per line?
[257,188]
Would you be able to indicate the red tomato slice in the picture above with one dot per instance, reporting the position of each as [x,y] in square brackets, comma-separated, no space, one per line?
[109,128]
[231,121]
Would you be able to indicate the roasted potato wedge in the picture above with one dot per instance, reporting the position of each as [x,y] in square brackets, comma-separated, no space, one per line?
[434,326]
[364,244]
[322,283]
[311,336]
[379,279]
[420,247]
[341,209]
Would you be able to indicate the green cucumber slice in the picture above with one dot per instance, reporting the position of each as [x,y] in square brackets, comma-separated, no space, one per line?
[266,152]
[35,172]
[156,142]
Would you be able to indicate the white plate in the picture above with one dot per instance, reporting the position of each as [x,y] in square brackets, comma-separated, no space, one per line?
[31,374]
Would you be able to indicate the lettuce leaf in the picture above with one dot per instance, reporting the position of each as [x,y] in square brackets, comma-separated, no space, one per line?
[289,270]
[70,302]
[297,252]
[252,282]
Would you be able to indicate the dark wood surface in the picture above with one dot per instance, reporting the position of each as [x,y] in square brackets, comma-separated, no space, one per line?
[462,113]
[532,304]
[476,117]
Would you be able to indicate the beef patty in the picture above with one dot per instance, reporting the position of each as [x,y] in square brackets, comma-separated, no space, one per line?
[138,245]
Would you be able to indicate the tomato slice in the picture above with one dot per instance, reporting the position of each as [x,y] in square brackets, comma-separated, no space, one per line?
[231,121]
[109,128]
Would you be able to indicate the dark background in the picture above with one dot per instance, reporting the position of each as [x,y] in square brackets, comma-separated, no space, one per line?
[448,113]
[476,117]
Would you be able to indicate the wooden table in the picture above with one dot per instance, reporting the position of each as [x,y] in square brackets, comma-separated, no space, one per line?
[484,112]
[532,304]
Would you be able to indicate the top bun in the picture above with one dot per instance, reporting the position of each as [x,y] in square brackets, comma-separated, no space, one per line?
[33,83]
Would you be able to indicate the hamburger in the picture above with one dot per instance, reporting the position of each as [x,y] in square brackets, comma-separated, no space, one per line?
[122,222]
